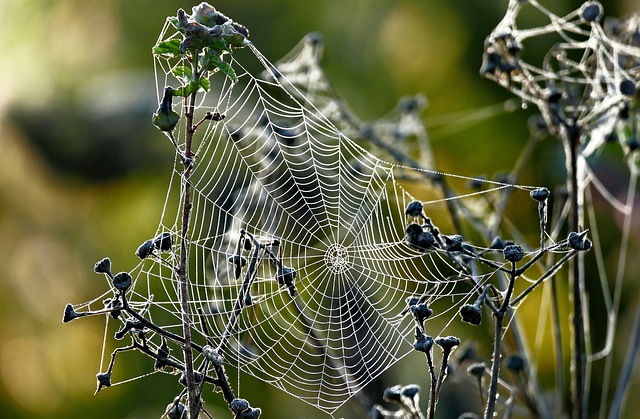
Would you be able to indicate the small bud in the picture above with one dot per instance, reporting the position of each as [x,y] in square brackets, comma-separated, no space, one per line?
[448,343]
[423,343]
[414,209]
[238,262]
[165,118]
[627,87]
[454,243]
[471,314]
[410,390]
[497,243]
[591,11]
[163,355]
[232,33]
[540,194]
[114,305]
[578,241]
[121,281]
[175,411]
[103,267]
[197,377]
[513,253]
[392,394]
[285,277]
[145,249]
[515,363]
[477,370]
[104,380]
[69,314]
[212,355]
[163,242]
[239,405]
[421,312]
[412,301]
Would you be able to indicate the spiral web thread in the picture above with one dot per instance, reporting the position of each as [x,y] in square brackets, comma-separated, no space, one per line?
[281,167]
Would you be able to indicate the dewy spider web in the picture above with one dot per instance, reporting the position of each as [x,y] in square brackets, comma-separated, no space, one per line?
[273,168]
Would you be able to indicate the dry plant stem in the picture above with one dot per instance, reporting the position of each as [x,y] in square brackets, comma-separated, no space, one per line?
[571,140]
[183,274]
[432,394]
[497,342]
[627,369]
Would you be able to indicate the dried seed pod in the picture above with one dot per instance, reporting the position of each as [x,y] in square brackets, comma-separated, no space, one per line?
[513,253]
[122,281]
[103,266]
[471,314]
[145,249]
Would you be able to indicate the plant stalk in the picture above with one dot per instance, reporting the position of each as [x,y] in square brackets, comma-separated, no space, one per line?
[497,343]
[183,267]
[571,139]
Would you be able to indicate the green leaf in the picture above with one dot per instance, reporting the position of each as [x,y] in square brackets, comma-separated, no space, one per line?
[185,91]
[171,47]
[182,71]
[216,63]
[205,84]
[175,23]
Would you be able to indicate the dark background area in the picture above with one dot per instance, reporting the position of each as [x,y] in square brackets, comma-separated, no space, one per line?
[83,173]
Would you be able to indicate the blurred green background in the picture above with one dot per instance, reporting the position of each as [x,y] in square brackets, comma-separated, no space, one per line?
[83,173]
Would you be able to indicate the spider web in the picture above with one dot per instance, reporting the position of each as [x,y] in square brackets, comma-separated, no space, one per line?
[286,165]
[281,167]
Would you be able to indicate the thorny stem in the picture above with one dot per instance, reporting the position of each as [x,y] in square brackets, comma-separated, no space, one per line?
[497,341]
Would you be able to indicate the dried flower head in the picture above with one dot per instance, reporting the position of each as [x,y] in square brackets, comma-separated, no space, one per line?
[447,343]
[513,253]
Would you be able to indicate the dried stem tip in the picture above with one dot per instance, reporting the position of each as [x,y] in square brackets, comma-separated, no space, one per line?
[477,369]
[471,314]
[414,209]
[515,363]
[122,281]
[591,11]
[448,343]
[104,380]
[103,267]
[69,314]
[421,312]
[578,241]
[163,241]
[212,355]
[175,410]
[239,405]
[513,253]
[392,394]
[540,194]
[423,343]
[145,249]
